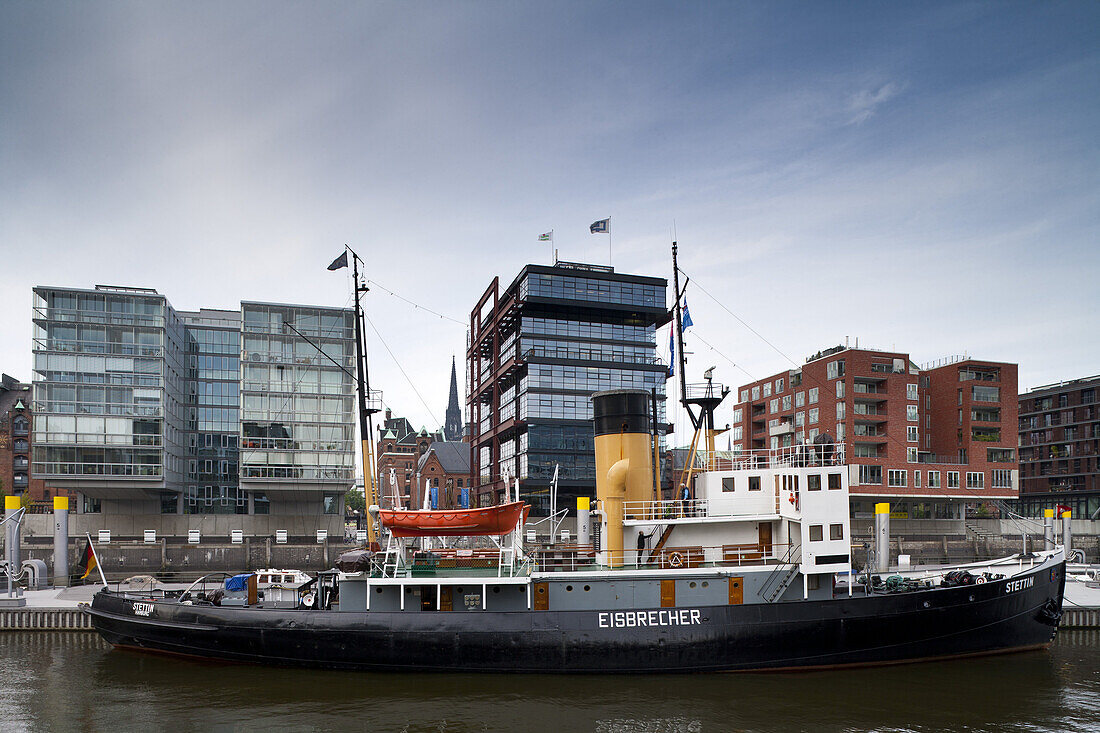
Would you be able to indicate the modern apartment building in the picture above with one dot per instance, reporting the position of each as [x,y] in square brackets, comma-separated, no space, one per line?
[536,351]
[151,414]
[1060,448]
[928,440]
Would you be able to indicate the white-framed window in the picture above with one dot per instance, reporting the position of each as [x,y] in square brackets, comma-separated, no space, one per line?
[836,531]
[773,423]
[775,442]
[834,369]
[786,402]
[1002,478]
[910,433]
[952,479]
[840,390]
[813,482]
[911,455]
[813,433]
[799,419]
[896,477]
[767,389]
[812,395]
[933,479]
[814,412]
[816,533]
[916,479]
[773,406]
[744,395]
[840,431]
[737,433]
[779,385]
[737,415]
[975,479]
[800,399]
[911,413]
[756,393]
[911,392]
[840,411]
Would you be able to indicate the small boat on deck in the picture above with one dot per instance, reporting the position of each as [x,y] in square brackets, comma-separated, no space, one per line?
[493,520]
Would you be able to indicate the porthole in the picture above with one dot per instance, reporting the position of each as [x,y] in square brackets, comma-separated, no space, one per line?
[458,589]
[542,589]
[569,587]
[496,589]
[377,590]
[588,587]
[706,584]
[971,597]
[691,584]
[927,604]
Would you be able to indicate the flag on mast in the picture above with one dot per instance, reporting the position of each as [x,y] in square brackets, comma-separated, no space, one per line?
[87,559]
[341,261]
[688,323]
[603,226]
[671,352]
[547,237]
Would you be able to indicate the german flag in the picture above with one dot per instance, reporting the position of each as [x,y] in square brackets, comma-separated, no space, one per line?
[88,559]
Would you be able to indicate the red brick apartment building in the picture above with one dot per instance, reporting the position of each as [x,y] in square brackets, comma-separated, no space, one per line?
[929,440]
[16,438]
[1060,448]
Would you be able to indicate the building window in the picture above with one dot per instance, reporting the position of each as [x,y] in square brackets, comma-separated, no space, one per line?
[813,482]
[840,390]
[754,483]
[727,484]
[816,533]
[911,433]
[911,392]
[911,455]
[834,369]
[975,480]
[870,474]
[800,399]
[773,406]
[91,506]
[813,415]
[767,389]
[786,402]
[799,418]
[985,394]
[834,481]
[812,397]
[952,479]
[933,479]
[756,393]
[840,434]
[744,395]
[911,412]
[169,502]
[896,477]
[865,450]
[840,411]
[20,425]
[260,503]
[778,385]
[836,531]
[916,479]
[737,415]
[1002,478]
[331,504]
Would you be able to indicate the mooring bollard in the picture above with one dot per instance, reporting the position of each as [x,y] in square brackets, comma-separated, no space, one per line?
[61,541]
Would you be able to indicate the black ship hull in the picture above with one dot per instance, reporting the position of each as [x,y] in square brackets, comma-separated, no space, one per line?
[998,616]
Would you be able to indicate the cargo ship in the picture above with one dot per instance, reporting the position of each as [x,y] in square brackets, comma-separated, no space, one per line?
[748,569]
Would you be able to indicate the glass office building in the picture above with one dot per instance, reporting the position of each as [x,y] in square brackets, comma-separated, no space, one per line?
[538,350]
[145,410]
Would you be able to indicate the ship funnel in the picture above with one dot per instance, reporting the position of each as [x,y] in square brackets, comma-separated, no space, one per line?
[624,464]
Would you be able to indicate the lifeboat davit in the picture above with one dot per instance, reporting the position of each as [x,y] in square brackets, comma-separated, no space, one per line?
[493,520]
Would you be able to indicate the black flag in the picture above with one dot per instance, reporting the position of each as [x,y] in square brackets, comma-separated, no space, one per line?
[341,261]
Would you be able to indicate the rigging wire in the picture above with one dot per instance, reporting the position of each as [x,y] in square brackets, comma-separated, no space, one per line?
[415,305]
[401,369]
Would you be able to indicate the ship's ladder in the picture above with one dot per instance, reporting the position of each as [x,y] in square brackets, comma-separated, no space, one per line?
[780,578]
[392,560]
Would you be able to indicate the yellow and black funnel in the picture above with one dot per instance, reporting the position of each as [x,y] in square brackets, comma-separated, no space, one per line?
[624,464]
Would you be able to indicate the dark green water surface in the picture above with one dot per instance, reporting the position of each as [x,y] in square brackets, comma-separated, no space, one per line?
[73,681]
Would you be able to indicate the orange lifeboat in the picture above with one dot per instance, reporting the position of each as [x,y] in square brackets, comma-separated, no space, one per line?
[494,520]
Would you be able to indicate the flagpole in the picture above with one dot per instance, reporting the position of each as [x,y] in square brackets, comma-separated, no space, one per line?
[609,241]
[98,564]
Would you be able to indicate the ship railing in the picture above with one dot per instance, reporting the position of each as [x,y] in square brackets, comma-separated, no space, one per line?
[702,556]
[795,456]
[667,509]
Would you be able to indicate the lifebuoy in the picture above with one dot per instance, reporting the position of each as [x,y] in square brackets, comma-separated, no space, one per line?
[309,599]
[979,580]
[791,497]
[676,560]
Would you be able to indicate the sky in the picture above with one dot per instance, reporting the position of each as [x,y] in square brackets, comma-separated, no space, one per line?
[922,176]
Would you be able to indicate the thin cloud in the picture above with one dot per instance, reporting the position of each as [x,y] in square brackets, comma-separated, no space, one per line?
[864,103]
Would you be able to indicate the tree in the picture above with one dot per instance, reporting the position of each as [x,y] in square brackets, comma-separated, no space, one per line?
[354,501]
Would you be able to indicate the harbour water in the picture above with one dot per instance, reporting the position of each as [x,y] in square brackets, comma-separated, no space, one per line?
[73,681]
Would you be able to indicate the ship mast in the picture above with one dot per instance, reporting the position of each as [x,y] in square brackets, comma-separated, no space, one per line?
[705,397]
[366,406]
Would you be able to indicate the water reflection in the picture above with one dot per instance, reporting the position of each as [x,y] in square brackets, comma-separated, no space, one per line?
[75,682]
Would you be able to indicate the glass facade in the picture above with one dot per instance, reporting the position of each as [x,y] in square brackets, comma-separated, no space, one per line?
[297,404]
[212,409]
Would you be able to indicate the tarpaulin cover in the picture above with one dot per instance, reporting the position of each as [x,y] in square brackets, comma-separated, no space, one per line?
[238,582]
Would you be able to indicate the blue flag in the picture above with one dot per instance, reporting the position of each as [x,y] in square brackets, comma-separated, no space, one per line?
[341,261]
[687,322]
[671,352]
[603,226]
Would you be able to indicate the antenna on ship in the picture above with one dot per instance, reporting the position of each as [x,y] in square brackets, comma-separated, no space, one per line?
[367,406]
[705,397]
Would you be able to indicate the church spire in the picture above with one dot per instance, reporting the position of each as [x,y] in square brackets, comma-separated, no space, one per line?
[452,428]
